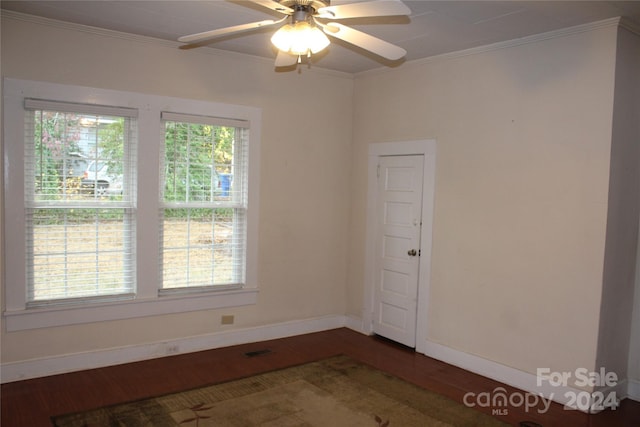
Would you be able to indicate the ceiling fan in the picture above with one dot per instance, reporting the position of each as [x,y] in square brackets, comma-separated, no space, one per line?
[310,23]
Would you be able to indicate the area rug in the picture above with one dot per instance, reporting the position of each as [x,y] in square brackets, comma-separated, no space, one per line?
[333,392]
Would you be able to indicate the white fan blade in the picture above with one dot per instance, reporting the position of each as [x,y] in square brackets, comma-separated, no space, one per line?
[274,5]
[365,9]
[207,35]
[285,60]
[365,41]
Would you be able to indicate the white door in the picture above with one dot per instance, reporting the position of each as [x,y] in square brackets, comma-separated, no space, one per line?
[399,213]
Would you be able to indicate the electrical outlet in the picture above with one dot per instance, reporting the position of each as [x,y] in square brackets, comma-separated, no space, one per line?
[227,319]
[173,349]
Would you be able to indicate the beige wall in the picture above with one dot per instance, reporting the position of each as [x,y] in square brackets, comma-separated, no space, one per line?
[523,146]
[634,350]
[304,171]
[623,211]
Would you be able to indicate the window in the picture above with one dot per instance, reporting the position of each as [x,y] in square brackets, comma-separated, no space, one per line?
[96,232]
[78,201]
[204,202]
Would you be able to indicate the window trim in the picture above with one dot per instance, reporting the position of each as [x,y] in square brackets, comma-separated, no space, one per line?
[147,301]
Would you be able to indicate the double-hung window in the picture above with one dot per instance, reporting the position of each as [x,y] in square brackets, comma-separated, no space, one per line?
[79,206]
[204,202]
[120,205]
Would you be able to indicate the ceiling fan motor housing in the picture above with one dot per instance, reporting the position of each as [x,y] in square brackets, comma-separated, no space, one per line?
[305,4]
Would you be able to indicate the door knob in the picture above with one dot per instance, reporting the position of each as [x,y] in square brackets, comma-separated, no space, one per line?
[412,252]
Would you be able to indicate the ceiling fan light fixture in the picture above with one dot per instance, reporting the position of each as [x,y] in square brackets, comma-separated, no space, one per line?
[282,38]
[300,38]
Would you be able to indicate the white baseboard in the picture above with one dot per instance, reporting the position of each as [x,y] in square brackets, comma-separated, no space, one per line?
[15,371]
[572,398]
[356,324]
[633,390]
[34,368]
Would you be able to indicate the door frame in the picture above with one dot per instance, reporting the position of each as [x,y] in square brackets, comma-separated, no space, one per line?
[427,148]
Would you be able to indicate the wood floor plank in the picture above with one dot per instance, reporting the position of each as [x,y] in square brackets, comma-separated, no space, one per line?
[31,403]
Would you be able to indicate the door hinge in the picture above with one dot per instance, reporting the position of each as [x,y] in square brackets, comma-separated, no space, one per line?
[419,252]
[378,171]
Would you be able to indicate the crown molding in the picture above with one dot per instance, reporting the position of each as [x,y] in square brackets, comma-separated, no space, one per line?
[34,19]
[39,20]
[554,34]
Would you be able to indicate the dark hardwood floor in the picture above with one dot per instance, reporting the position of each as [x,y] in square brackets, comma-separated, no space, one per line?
[31,403]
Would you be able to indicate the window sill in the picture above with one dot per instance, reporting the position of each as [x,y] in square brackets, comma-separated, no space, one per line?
[35,318]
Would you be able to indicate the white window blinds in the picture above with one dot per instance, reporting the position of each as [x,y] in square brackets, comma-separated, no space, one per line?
[79,201]
[203,202]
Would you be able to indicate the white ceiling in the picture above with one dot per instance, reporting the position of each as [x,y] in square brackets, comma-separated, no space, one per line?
[434,27]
